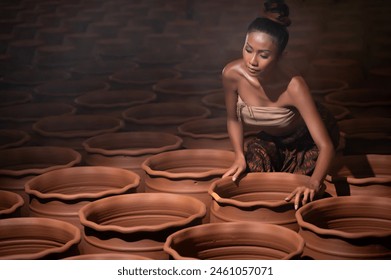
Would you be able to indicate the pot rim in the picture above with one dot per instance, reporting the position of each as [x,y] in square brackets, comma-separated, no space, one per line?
[23,137]
[345,200]
[177,143]
[145,165]
[161,86]
[167,245]
[112,191]
[19,202]
[144,228]
[329,98]
[31,221]
[183,129]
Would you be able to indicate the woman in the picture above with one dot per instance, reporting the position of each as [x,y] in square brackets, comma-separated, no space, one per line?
[297,135]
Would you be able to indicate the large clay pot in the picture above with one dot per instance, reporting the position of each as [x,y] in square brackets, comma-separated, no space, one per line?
[366,135]
[258,197]
[37,238]
[320,87]
[216,103]
[113,102]
[339,112]
[61,193]
[13,97]
[18,165]
[10,138]
[108,256]
[188,172]
[34,77]
[351,227]
[57,56]
[128,150]
[137,223]
[367,174]
[71,131]
[235,241]
[10,204]
[186,90]
[162,116]
[115,49]
[363,102]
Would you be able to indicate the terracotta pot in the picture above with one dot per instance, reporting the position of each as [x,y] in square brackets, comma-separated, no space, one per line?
[129,149]
[257,197]
[34,77]
[162,58]
[185,28]
[363,102]
[199,68]
[137,223]
[115,49]
[53,35]
[82,42]
[140,78]
[379,77]
[108,256]
[216,103]
[366,135]
[66,91]
[235,241]
[352,227]
[10,138]
[10,204]
[14,97]
[23,51]
[57,56]
[37,238]
[105,29]
[188,172]
[162,116]
[18,165]
[71,131]
[61,193]
[320,87]
[339,112]
[360,175]
[113,102]
[187,90]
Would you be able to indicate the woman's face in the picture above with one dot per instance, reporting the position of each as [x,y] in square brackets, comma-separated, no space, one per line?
[259,52]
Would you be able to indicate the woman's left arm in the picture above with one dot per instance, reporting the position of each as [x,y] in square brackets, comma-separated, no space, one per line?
[300,96]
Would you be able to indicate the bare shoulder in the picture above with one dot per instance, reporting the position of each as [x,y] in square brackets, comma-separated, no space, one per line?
[232,70]
[297,87]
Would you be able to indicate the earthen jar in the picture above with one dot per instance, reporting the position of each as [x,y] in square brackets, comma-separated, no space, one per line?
[29,78]
[128,150]
[198,47]
[258,197]
[187,172]
[185,28]
[216,103]
[115,49]
[71,131]
[363,102]
[28,238]
[367,174]
[14,97]
[235,241]
[137,223]
[10,138]
[350,227]
[60,194]
[83,42]
[339,112]
[320,87]
[162,58]
[199,68]
[57,56]
[23,51]
[67,91]
[162,116]
[186,90]
[366,135]
[10,204]
[112,102]
[167,41]
[18,165]
[108,256]
[140,78]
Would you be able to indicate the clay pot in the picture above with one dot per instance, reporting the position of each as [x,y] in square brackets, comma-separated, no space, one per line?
[67,91]
[137,223]
[339,112]
[257,197]
[60,194]
[188,172]
[23,51]
[379,77]
[141,78]
[13,97]
[115,49]
[108,256]
[363,102]
[198,68]
[320,87]
[360,175]
[351,227]
[186,90]
[216,103]
[10,138]
[128,149]
[10,204]
[34,77]
[113,102]
[366,135]
[82,42]
[37,238]
[18,165]
[57,56]
[53,35]
[71,131]
[161,58]
[162,116]
[235,241]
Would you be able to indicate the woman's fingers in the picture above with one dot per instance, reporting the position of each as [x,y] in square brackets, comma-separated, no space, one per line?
[301,193]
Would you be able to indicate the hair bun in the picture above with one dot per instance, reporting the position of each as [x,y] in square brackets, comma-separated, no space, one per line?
[278,11]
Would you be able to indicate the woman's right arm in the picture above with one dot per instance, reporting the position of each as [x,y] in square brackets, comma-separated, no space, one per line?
[234,126]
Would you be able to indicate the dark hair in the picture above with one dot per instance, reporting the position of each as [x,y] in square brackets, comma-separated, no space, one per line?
[272,28]
[279,9]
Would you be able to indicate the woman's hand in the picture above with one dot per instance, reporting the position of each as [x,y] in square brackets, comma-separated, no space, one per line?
[237,168]
[305,194]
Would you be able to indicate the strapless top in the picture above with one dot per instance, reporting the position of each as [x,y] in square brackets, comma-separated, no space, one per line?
[266,116]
